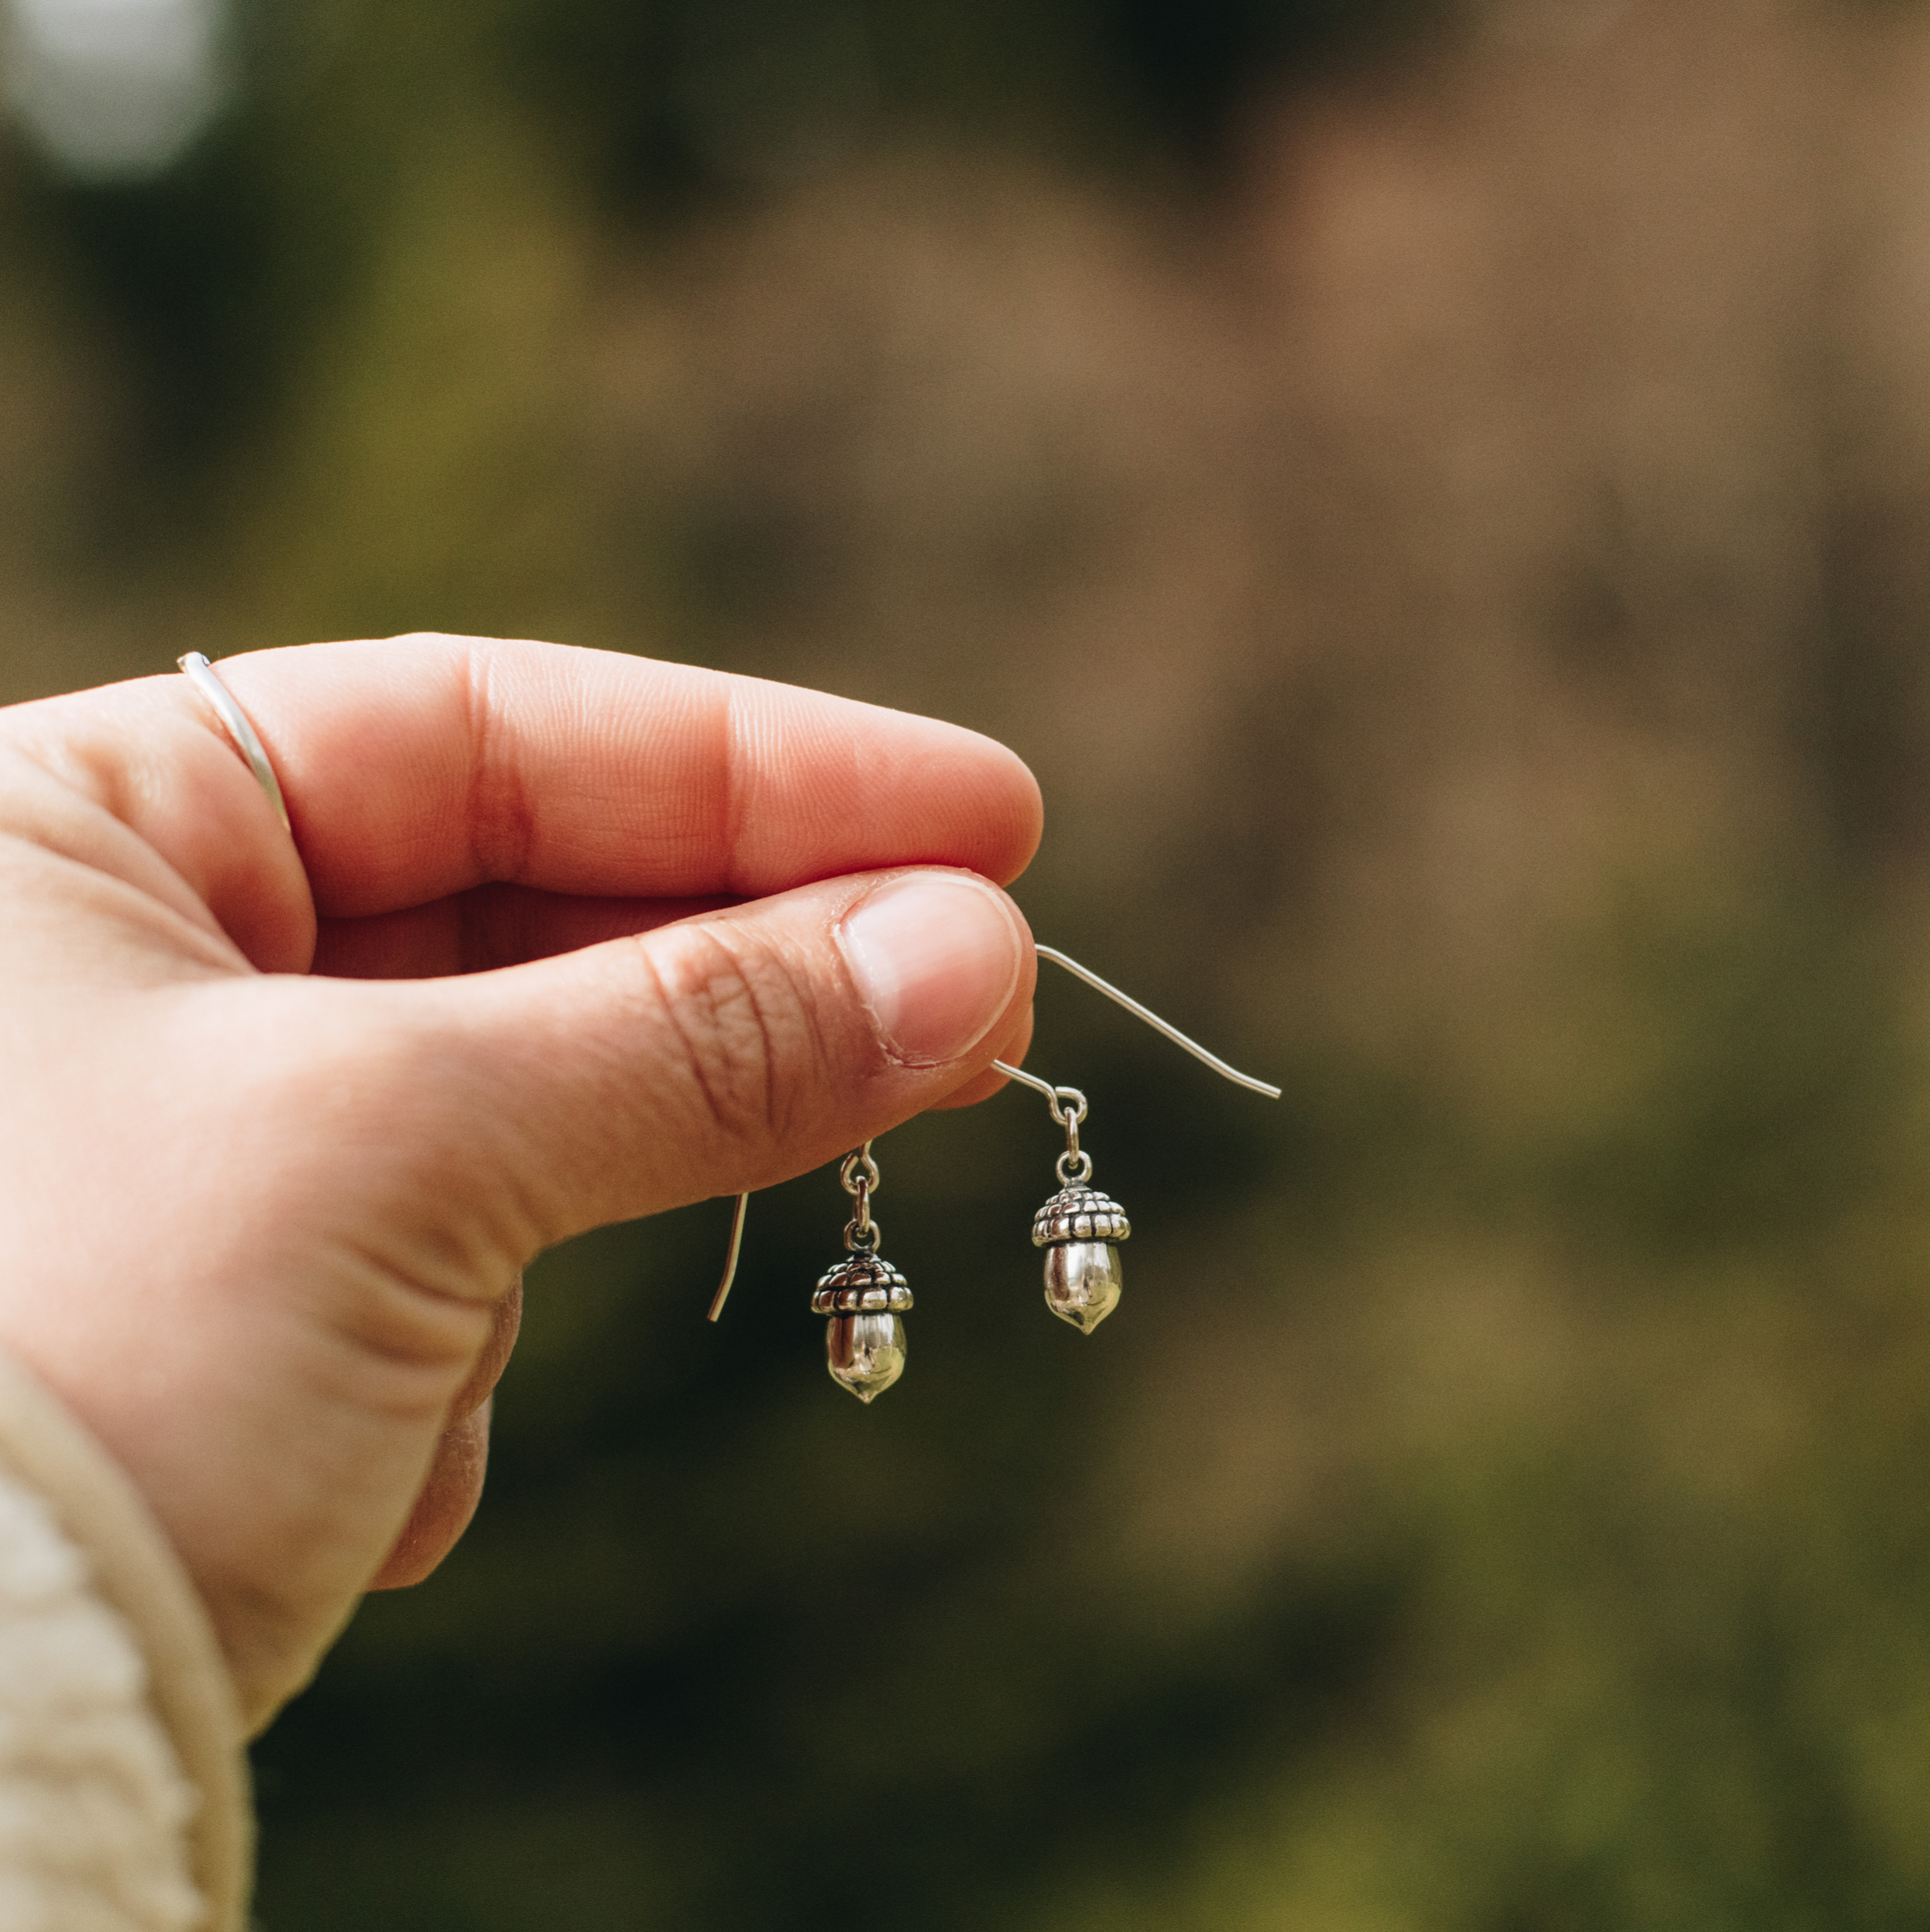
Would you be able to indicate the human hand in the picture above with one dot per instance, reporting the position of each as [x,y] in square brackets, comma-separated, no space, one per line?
[269,1172]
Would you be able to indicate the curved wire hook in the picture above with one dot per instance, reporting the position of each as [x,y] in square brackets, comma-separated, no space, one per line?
[1066,1102]
[1151,1019]
[730,1257]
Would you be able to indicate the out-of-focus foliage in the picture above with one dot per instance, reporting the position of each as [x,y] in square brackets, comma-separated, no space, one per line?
[1439,497]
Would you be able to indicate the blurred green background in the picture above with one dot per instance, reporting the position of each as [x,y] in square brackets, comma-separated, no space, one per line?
[1441,495]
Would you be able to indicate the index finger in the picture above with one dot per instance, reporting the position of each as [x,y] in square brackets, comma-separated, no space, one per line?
[420,766]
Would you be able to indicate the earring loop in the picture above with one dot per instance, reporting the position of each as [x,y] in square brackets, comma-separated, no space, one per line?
[859,1174]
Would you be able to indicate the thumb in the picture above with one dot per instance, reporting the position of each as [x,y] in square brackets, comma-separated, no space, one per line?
[719,1054]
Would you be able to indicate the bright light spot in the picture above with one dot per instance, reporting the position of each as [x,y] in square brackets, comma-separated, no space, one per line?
[114,89]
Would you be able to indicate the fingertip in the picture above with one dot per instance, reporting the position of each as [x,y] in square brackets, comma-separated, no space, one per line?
[507,1324]
[445,1506]
[1014,811]
[453,1489]
[938,958]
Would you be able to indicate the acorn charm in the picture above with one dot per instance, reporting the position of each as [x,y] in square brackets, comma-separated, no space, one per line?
[864,1339]
[1079,1228]
[864,1294]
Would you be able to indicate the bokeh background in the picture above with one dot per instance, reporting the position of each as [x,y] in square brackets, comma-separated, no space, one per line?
[1441,495]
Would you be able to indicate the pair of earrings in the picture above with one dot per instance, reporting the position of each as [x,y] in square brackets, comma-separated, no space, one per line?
[865,1299]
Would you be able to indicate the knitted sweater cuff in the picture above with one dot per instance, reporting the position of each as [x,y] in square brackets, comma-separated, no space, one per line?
[83,1568]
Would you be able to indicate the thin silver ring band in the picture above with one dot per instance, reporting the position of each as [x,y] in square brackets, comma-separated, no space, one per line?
[241,734]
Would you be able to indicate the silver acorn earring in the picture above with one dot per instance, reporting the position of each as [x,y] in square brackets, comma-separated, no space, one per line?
[864,1294]
[1079,1228]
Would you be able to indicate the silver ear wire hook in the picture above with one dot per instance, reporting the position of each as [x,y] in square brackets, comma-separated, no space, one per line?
[1151,1019]
[730,1258]
[1068,1104]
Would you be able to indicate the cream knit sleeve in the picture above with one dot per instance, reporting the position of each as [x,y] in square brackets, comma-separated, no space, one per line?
[123,1791]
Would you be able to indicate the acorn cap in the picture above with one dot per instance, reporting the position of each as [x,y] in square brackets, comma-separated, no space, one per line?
[1079,1214]
[861,1285]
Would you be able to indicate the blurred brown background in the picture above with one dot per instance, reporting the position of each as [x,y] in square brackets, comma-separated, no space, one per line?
[1441,497]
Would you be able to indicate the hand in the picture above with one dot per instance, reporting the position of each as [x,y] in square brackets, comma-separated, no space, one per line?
[269,1171]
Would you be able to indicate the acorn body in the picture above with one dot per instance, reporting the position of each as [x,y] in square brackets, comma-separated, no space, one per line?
[864,1339]
[1081,1229]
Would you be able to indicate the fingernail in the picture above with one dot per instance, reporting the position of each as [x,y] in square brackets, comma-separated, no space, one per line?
[936,956]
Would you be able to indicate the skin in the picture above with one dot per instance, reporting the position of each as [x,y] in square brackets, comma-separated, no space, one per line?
[560,940]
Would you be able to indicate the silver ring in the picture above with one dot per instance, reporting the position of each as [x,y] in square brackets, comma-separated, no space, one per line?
[241,734]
